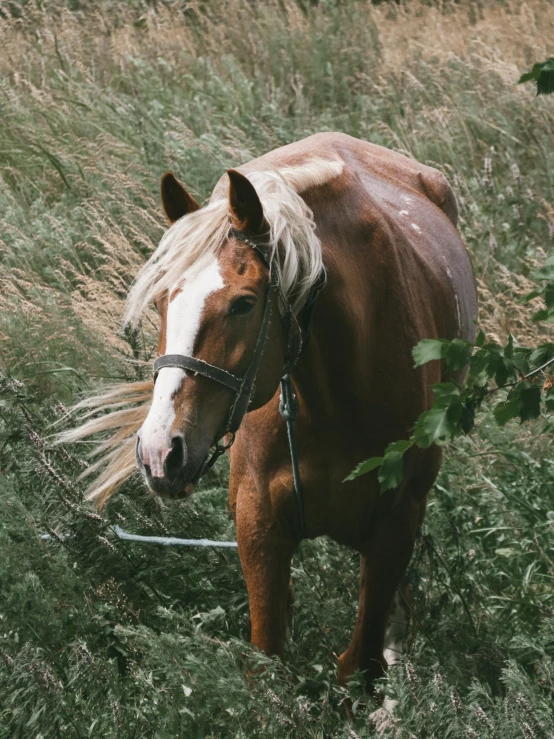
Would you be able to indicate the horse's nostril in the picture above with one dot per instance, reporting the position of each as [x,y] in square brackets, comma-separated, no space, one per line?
[176,456]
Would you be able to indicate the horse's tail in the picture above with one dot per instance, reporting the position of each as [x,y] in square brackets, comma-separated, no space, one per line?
[127,405]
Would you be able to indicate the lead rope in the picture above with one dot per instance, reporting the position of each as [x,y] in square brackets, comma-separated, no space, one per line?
[288,407]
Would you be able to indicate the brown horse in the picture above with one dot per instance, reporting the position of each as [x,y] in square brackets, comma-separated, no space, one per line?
[384,229]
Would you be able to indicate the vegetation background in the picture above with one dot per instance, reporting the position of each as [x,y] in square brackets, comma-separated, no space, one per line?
[104,638]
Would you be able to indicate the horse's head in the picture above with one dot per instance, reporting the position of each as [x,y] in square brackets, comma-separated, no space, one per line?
[216,312]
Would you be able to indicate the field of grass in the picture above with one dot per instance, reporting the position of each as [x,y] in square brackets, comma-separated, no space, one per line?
[104,638]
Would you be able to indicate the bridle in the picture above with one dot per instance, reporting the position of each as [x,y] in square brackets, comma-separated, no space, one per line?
[243,387]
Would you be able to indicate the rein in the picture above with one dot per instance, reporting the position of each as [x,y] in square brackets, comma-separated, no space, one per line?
[244,386]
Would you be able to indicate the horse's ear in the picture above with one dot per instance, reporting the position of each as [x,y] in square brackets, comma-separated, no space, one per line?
[246,209]
[175,199]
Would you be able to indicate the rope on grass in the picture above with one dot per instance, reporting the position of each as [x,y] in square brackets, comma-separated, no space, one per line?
[173,541]
[165,541]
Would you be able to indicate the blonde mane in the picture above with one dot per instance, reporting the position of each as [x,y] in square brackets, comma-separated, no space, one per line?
[197,237]
[184,249]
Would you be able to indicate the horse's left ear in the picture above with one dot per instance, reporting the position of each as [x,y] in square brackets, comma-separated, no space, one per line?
[246,209]
[175,199]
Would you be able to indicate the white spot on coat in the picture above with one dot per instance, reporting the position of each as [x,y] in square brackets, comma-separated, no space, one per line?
[456,299]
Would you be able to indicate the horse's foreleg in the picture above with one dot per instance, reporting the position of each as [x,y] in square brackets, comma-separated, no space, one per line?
[382,566]
[265,556]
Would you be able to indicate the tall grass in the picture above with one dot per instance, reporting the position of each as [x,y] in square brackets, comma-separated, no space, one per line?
[96,103]
[105,638]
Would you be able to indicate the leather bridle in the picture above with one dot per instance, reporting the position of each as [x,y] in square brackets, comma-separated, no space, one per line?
[243,387]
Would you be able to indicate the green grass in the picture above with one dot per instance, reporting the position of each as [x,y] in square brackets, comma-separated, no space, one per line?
[105,638]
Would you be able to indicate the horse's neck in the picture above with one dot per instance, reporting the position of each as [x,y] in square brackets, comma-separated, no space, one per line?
[328,359]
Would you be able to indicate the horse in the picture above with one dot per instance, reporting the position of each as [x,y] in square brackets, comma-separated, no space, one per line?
[325,262]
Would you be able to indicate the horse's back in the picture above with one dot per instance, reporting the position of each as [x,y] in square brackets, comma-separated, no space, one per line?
[397,168]
[386,218]
[382,216]
[357,154]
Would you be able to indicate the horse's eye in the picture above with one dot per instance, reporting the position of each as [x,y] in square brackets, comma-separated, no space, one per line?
[242,306]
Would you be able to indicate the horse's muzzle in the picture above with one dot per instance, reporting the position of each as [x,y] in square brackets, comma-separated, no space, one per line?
[176,480]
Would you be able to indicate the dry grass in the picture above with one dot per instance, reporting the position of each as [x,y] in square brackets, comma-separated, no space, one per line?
[502,311]
[97,103]
[103,41]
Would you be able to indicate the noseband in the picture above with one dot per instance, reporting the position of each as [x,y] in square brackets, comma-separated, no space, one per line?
[243,386]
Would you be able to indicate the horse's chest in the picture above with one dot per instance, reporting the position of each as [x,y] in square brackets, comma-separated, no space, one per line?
[262,486]
[343,511]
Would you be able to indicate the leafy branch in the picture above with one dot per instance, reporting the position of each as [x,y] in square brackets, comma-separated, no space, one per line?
[542,75]
[491,367]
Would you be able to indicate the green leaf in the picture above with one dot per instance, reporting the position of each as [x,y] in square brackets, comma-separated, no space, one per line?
[540,315]
[540,355]
[503,369]
[429,349]
[445,390]
[545,82]
[439,424]
[504,412]
[549,402]
[391,472]
[478,367]
[458,355]
[398,446]
[480,339]
[530,402]
[520,360]
[442,421]
[524,403]
[467,416]
[542,75]
[509,348]
[537,292]
[364,467]
[549,295]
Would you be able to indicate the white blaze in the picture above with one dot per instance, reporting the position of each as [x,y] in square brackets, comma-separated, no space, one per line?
[184,313]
